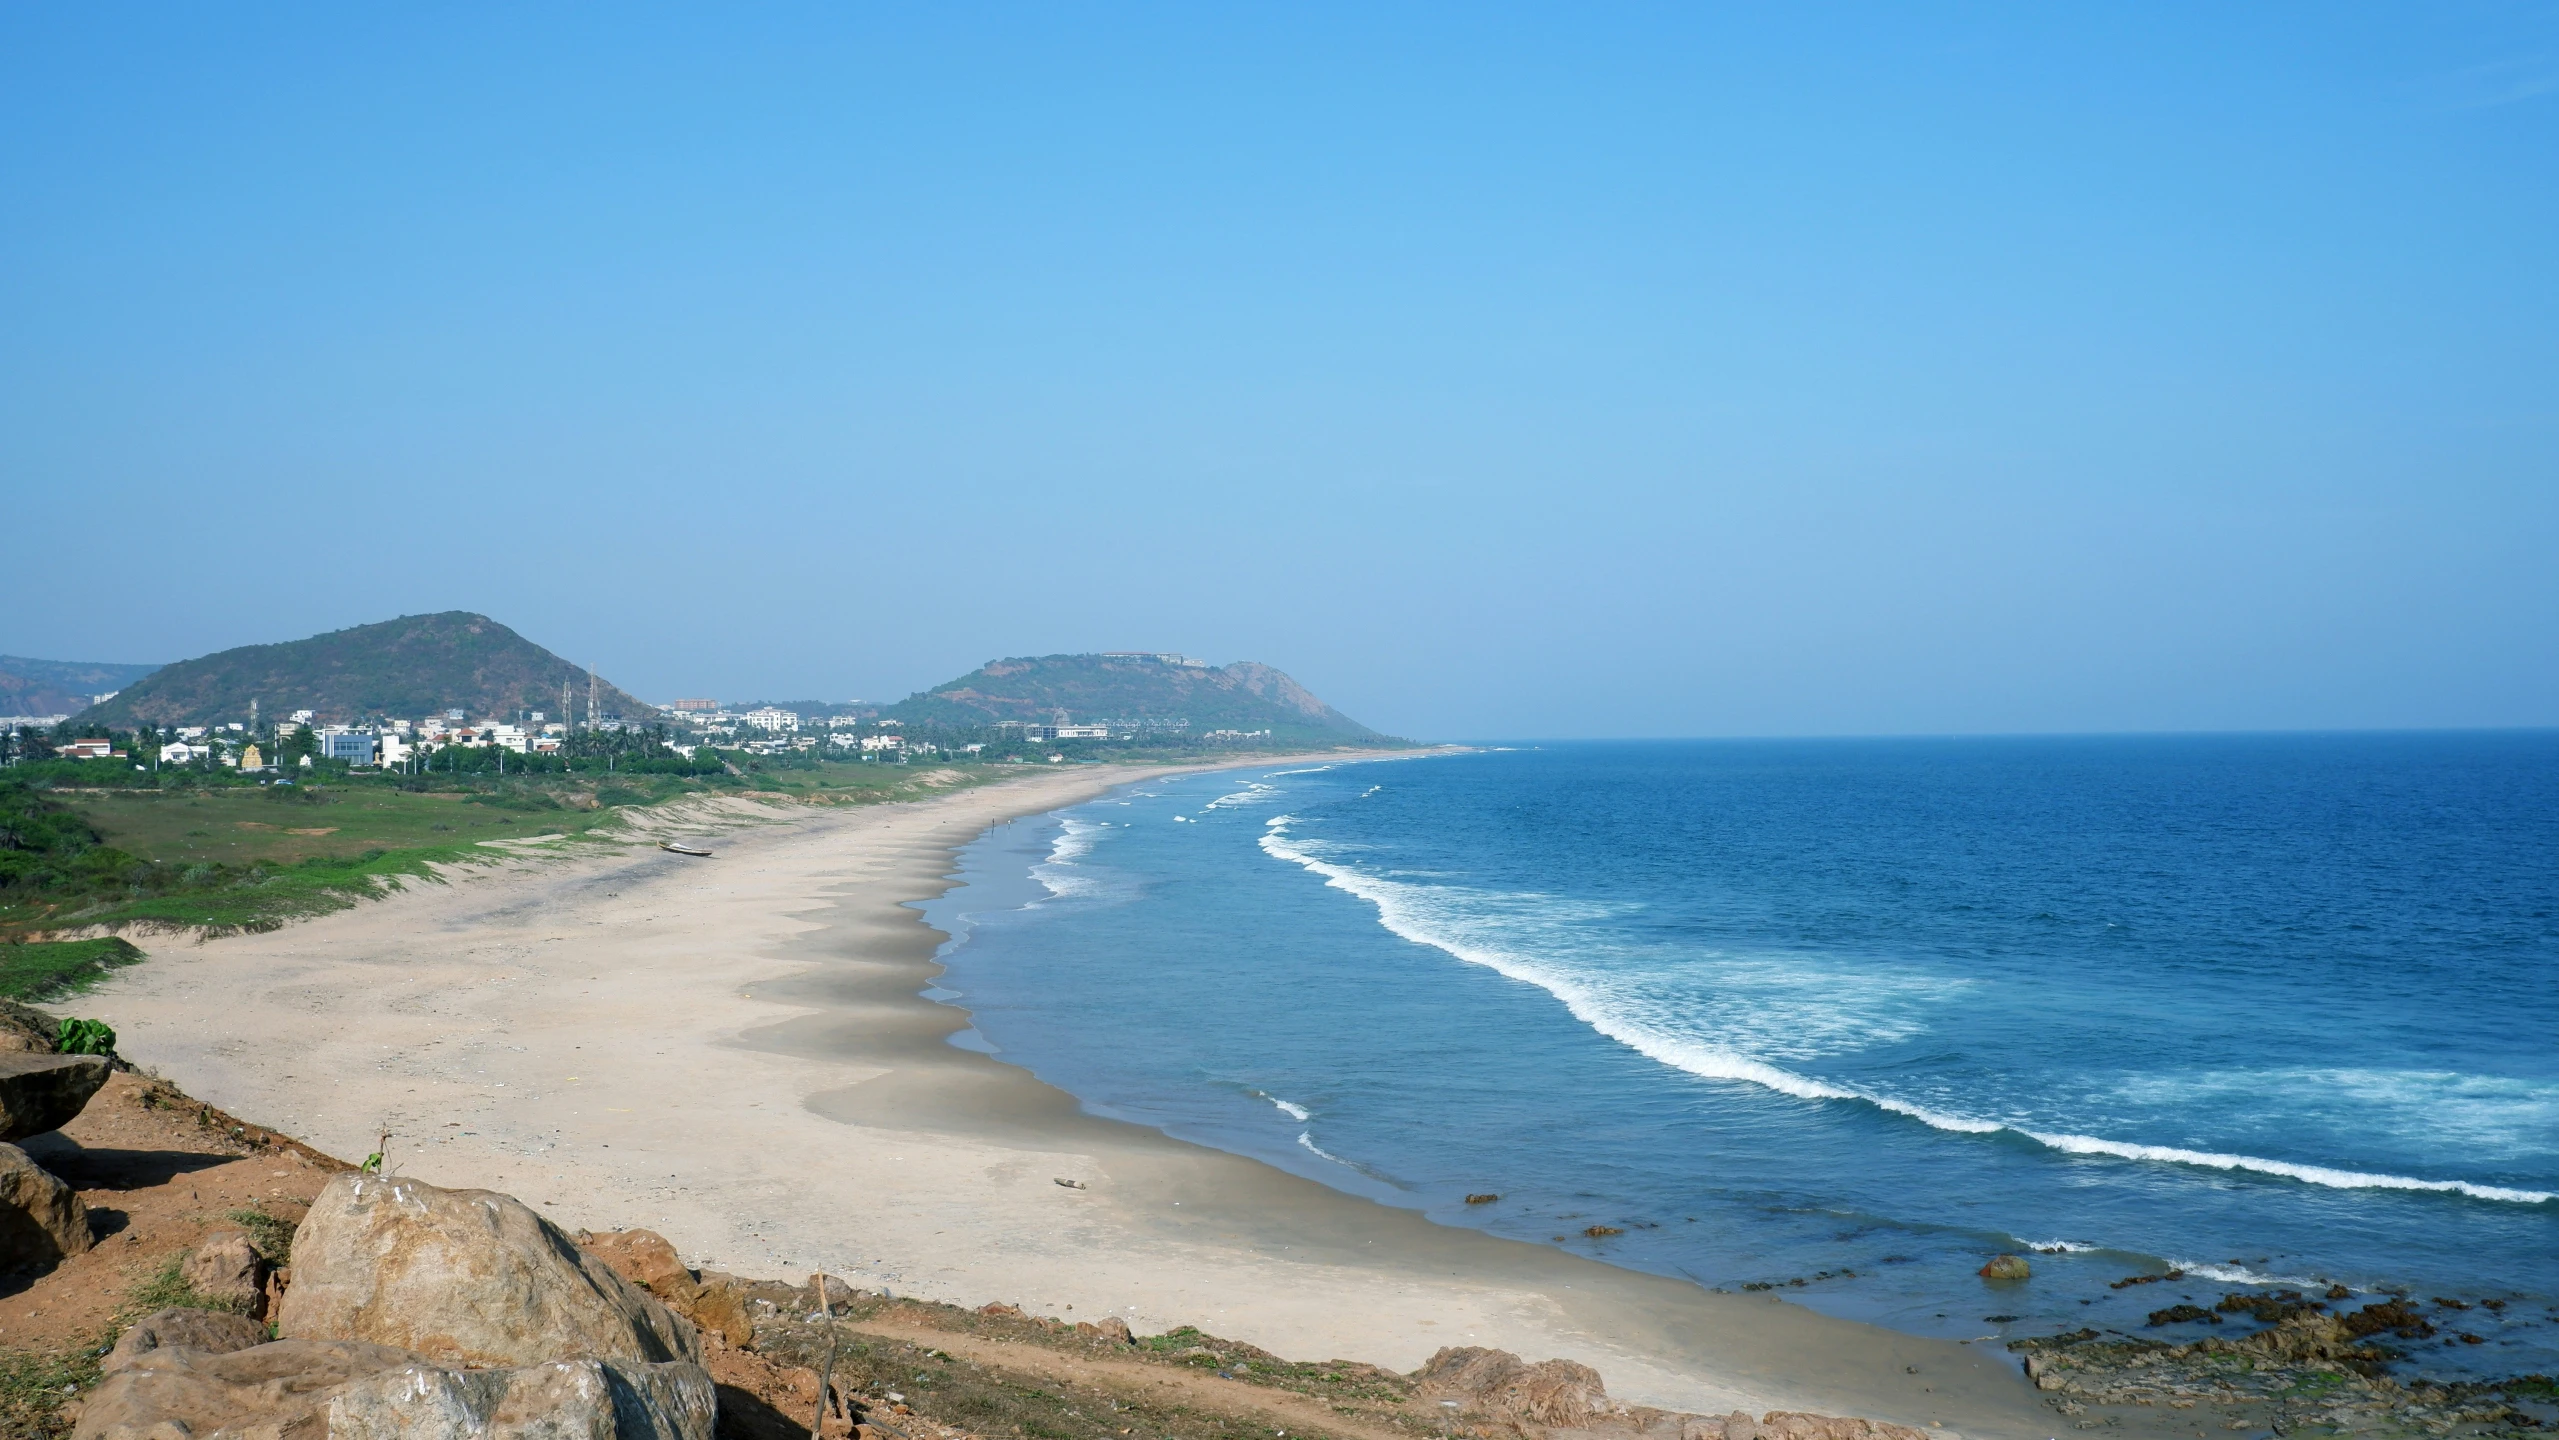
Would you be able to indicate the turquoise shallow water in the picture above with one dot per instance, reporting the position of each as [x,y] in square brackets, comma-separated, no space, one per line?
[2272,1010]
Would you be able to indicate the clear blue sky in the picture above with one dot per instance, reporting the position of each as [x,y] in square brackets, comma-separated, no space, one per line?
[1576,370]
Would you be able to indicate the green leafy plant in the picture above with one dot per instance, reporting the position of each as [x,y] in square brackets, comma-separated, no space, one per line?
[86,1037]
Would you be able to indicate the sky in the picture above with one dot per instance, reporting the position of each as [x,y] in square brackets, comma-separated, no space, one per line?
[1498,371]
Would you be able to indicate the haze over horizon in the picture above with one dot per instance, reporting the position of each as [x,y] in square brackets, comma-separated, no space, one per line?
[1494,372]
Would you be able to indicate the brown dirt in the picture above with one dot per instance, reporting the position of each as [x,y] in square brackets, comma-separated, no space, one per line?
[157,1171]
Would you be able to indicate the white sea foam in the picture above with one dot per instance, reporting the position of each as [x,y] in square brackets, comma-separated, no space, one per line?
[2240,1274]
[1254,790]
[1408,911]
[1294,1112]
[1075,839]
[1307,1139]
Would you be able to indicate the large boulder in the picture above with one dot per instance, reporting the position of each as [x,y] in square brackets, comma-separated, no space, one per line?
[184,1329]
[465,1277]
[173,1390]
[42,1220]
[43,1092]
[348,1390]
[563,1400]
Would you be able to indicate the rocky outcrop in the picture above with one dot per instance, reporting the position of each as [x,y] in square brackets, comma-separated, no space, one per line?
[41,1092]
[1501,1386]
[228,1271]
[172,1390]
[465,1277]
[184,1329]
[2006,1267]
[1562,1400]
[349,1390]
[42,1220]
[568,1399]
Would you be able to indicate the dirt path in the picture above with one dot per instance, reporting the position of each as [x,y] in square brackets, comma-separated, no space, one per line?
[1154,1385]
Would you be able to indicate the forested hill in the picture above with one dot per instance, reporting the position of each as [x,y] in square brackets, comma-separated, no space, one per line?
[59,687]
[413,666]
[1241,696]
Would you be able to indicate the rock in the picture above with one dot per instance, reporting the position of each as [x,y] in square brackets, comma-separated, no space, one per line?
[182,1329]
[1792,1425]
[2006,1267]
[42,1092]
[466,1277]
[1739,1426]
[1110,1327]
[644,1258]
[1500,1385]
[42,1220]
[175,1391]
[349,1390]
[566,1399]
[227,1270]
[25,1030]
[719,1307]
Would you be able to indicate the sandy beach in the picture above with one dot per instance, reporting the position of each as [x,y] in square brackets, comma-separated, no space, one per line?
[733,1052]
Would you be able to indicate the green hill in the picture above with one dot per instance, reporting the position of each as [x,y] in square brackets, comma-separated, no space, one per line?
[405,668]
[1241,696]
[59,687]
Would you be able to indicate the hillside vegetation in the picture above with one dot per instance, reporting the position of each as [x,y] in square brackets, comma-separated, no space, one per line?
[409,667]
[59,687]
[1242,696]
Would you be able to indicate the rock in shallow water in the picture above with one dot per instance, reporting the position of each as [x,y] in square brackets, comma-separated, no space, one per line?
[468,1277]
[2007,1267]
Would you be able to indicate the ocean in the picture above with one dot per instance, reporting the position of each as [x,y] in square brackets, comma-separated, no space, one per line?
[1847,1018]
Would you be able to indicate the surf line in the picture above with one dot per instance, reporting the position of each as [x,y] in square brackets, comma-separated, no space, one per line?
[1394,912]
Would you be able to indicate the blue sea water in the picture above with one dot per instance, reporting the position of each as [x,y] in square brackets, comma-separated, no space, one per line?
[1847,1018]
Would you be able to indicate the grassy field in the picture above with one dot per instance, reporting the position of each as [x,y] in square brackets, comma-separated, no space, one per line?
[231,858]
[286,827]
[48,970]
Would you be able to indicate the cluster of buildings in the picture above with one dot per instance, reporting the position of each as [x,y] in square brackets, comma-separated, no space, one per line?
[250,746]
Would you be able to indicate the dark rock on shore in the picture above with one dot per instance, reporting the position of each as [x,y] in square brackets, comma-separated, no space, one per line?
[40,1092]
[42,1220]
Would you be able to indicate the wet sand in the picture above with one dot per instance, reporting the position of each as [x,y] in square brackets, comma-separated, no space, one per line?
[733,1052]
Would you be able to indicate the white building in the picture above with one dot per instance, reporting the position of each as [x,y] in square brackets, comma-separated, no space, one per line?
[179,752]
[772,719]
[881,742]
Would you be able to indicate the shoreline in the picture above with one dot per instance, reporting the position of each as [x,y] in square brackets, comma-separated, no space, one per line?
[736,1053]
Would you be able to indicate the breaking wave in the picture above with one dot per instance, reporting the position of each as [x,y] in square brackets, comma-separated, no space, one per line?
[1405,911]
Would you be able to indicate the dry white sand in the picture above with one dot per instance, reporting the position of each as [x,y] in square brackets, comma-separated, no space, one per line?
[732,1052]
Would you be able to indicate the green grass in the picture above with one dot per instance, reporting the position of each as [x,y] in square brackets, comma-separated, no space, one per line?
[241,858]
[51,969]
[34,1383]
[270,1235]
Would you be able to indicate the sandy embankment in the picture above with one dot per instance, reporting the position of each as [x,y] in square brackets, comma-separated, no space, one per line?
[733,1052]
